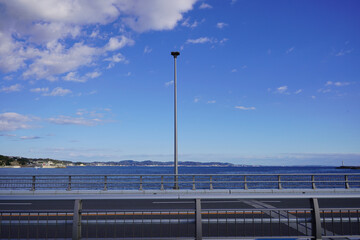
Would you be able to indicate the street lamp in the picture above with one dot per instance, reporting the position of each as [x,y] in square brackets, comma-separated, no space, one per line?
[176,184]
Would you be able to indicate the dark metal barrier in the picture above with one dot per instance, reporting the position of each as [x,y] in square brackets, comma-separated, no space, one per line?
[196,222]
[185,181]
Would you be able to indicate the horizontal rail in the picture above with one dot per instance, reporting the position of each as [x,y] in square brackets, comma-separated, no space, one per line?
[184,181]
[259,222]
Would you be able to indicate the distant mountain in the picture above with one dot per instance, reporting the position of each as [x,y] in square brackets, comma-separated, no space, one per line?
[157,163]
[32,162]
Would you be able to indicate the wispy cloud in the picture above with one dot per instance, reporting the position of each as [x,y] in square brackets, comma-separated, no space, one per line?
[221,25]
[282,90]
[74,77]
[199,40]
[11,121]
[59,91]
[167,84]
[298,91]
[343,52]
[330,86]
[196,100]
[203,40]
[116,58]
[205,6]
[337,84]
[211,101]
[67,120]
[290,50]
[189,24]
[147,49]
[12,88]
[39,90]
[245,108]
[29,137]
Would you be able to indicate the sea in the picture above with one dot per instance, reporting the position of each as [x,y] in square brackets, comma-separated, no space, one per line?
[106,170]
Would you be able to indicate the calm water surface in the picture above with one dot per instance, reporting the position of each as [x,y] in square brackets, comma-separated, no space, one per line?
[169,170]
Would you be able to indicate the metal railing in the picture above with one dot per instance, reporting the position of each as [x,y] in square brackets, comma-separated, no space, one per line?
[185,181]
[193,223]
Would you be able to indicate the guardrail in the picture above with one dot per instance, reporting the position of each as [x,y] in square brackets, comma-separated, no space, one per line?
[185,181]
[193,223]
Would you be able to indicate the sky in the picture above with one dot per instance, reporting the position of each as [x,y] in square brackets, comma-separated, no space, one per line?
[259,82]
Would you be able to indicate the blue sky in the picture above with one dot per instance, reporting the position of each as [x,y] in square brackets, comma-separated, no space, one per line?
[259,82]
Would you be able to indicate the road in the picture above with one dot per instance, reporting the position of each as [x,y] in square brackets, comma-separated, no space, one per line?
[131,218]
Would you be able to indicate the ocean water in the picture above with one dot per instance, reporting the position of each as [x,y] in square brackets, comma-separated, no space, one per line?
[104,170]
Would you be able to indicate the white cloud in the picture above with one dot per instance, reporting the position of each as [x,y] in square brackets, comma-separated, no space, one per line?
[93,75]
[222,41]
[94,34]
[58,60]
[343,52]
[298,91]
[44,39]
[66,120]
[211,102]
[337,84]
[205,6]
[39,90]
[29,137]
[145,15]
[11,121]
[167,84]
[117,58]
[196,100]
[282,90]
[187,23]
[199,40]
[73,76]
[290,50]
[147,49]
[221,25]
[58,92]
[234,70]
[245,108]
[12,88]
[116,43]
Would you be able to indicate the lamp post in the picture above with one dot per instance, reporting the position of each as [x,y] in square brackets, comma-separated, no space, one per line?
[176,184]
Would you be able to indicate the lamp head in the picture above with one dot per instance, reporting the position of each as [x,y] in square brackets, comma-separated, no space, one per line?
[175,54]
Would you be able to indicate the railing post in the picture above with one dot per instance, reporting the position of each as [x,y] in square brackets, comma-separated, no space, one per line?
[141,187]
[347,186]
[279,182]
[316,221]
[211,183]
[76,231]
[198,221]
[162,183]
[69,184]
[245,183]
[105,183]
[33,183]
[193,188]
[313,182]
